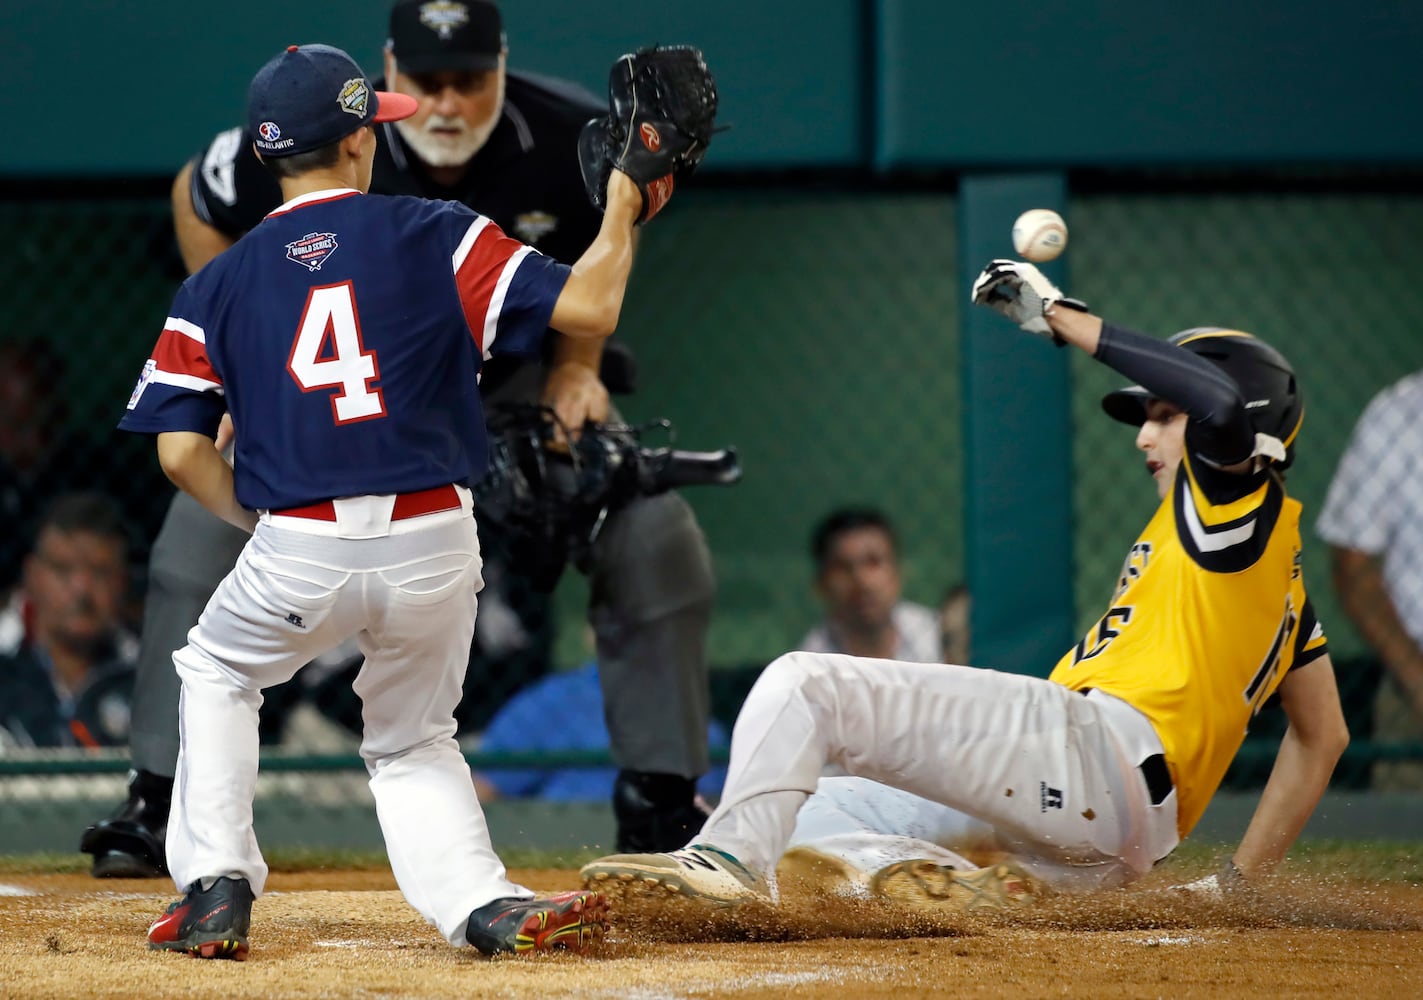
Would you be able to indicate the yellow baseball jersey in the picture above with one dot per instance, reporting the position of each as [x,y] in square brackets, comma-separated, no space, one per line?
[1208,616]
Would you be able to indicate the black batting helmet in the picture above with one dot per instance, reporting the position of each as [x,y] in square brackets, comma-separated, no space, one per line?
[1266,380]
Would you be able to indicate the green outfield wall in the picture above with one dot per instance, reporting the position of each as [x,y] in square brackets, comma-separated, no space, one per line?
[105,88]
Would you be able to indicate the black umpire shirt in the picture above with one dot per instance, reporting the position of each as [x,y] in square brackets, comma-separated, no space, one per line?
[526,177]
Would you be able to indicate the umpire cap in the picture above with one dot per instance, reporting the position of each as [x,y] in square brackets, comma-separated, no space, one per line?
[1265,378]
[313,95]
[436,36]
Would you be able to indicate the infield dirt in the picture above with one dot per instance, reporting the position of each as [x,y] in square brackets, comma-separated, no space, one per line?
[351,934]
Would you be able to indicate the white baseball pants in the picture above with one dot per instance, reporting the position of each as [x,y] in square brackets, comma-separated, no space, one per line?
[1051,773]
[407,591]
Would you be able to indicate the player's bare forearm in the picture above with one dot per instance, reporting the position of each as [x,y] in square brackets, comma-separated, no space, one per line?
[1080,329]
[592,298]
[1311,747]
[585,351]
[198,242]
[1358,580]
[196,467]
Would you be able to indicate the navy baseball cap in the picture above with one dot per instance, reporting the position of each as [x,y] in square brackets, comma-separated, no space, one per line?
[313,95]
[435,36]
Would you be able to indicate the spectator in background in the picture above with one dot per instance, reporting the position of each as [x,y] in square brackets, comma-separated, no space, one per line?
[43,455]
[857,579]
[30,417]
[69,682]
[1373,522]
[559,713]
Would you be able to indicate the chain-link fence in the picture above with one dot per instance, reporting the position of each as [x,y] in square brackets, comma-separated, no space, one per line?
[817,332]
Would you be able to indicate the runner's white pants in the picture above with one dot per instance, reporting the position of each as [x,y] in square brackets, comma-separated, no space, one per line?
[407,592]
[1050,774]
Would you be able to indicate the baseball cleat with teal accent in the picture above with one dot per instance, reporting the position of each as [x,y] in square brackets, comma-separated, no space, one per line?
[699,872]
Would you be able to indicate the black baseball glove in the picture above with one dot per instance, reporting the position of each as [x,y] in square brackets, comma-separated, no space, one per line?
[662,106]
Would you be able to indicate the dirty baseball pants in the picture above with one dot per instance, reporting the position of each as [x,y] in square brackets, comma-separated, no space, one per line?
[406,590]
[1052,775]
[651,595]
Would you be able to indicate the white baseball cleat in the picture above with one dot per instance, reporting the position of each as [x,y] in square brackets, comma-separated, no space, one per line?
[700,872]
[926,885]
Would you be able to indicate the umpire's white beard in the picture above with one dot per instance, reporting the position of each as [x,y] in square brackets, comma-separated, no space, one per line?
[456,143]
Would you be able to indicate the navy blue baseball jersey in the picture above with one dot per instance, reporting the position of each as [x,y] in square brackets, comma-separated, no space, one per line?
[525,177]
[345,333]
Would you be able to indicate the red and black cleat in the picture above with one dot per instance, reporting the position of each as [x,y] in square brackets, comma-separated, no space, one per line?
[207,923]
[571,920]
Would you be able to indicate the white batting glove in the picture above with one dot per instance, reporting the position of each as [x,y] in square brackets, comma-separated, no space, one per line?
[1021,292]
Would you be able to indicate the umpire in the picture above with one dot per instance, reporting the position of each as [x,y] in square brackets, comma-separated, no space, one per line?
[503,143]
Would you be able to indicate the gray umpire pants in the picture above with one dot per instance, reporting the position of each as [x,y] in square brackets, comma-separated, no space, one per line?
[651,594]
[194,550]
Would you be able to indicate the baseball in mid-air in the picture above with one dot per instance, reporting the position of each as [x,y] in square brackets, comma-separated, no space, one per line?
[1039,235]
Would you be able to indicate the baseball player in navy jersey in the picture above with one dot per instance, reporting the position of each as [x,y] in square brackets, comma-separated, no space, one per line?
[502,143]
[1089,777]
[343,335]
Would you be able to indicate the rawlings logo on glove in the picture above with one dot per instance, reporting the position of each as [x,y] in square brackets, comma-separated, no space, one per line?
[666,98]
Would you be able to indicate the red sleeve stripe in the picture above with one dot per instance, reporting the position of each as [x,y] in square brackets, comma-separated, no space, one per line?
[470,235]
[178,355]
[479,263]
[496,301]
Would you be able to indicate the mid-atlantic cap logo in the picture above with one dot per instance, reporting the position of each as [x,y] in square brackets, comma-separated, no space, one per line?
[444,17]
[355,97]
[312,250]
[269,131]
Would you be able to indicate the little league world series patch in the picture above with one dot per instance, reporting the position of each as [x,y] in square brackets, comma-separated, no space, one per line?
[149,367]
[312,250]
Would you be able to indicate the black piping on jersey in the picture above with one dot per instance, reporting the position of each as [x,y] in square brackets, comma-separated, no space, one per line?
[396,147]
[521,125]
[1308,625]
[1233,545]
[1220,432]
[1271,662]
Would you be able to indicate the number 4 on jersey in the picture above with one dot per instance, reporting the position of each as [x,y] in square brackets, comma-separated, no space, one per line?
[328,354]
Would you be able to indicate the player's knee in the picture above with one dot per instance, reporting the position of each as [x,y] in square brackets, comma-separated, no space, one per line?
[792,671]
[819,679]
